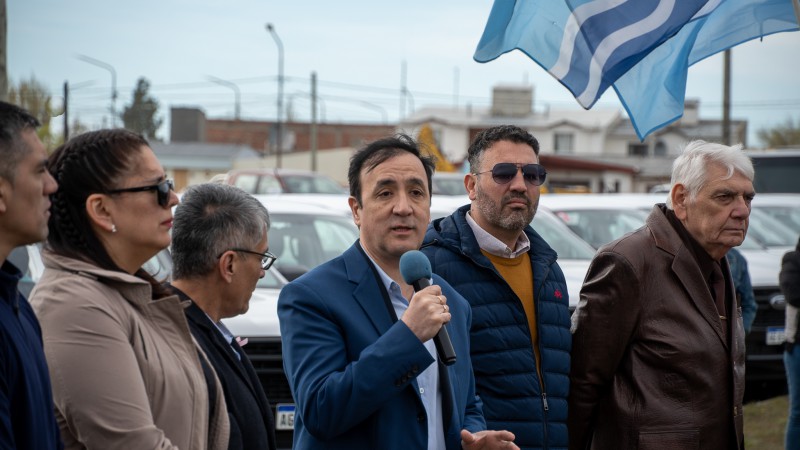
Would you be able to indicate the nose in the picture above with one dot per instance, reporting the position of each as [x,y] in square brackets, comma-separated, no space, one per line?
[173,199]
[402,206]
[518,182]
[741,208]
[50,184]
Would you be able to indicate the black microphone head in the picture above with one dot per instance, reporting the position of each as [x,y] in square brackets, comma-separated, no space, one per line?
[414,265]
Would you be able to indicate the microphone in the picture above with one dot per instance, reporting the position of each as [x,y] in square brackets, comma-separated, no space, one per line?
[416,270]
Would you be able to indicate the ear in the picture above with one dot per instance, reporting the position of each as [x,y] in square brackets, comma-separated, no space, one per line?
[470,180]
[355,208]
[680,198]
[5,194]
[99,209]
[226,266]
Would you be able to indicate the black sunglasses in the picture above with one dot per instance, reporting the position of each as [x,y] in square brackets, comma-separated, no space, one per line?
[267,258]
[503,173]
[162,189]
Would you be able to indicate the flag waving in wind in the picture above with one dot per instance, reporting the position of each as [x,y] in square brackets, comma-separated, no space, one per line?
[641,48]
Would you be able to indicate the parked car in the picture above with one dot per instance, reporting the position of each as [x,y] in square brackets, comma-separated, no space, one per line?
[785,208]
[764,343]
[448,183]
[273,181]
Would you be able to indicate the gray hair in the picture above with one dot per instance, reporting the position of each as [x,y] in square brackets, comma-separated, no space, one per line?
[13,121]
[211,219]
[690,168]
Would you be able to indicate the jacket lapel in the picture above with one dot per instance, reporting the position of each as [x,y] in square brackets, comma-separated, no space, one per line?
[366,290]
[686,270]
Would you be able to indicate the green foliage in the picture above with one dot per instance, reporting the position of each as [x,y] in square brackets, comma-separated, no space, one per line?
[786,134]
[140,115]
[34,97]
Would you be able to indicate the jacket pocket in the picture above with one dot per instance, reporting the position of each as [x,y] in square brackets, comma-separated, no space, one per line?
[669,440]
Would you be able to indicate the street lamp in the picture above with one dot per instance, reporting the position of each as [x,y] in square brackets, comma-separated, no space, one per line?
[110,68]
[237,94]
[279,130]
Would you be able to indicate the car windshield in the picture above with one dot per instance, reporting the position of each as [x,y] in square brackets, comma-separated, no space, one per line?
[448,185]
[601,226]
[769,231]
[787,215]
[307,184]
[304,241]
[564,242]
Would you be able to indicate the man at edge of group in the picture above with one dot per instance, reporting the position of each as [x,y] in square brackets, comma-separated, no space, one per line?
[219,251]
[27,419]
[357,340]
[658,340]
[491,255]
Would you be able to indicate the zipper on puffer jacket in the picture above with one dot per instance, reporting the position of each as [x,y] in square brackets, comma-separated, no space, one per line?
[545,406]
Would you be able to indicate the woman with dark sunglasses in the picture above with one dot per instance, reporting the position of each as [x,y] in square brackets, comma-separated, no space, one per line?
[126,372]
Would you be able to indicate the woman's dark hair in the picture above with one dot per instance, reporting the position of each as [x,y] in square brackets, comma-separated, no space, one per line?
[90,163]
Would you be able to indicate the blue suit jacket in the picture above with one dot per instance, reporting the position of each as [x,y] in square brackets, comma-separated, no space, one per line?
[353,371]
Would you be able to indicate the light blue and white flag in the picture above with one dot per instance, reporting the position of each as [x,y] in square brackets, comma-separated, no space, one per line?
[643,48]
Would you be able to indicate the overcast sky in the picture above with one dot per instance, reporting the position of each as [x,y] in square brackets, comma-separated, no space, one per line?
[356,47]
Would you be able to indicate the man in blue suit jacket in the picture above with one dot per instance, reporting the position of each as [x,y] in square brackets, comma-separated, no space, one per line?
[357,340]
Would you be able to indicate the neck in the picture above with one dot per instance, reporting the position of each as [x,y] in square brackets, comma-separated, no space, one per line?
[392,269]
[203,294]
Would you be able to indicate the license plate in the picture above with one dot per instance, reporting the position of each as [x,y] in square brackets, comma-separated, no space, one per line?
[775,335]
[284,416]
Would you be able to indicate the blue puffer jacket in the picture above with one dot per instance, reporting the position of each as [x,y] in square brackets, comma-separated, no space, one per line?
[502,357]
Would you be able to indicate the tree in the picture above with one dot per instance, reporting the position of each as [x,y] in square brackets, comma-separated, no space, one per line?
[140,115]
[783,135]
[34,97]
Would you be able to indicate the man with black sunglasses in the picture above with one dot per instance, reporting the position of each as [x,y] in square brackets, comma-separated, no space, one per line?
[488,251]
[219,252]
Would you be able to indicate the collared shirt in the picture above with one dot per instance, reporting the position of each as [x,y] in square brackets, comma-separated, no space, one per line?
[428,380]
[226,334]
[496,247]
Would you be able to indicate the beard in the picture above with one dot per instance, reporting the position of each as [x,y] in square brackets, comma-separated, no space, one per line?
[515,220]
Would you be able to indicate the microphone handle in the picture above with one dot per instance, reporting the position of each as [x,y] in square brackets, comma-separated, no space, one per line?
[444,346]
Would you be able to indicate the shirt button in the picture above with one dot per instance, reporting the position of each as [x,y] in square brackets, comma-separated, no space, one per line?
[421,390]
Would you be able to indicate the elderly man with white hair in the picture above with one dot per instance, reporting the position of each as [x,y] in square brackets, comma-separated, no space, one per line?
[658,341]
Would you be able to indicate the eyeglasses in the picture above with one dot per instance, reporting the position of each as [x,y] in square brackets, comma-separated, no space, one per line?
[267,258]
[162,189]
[503,173]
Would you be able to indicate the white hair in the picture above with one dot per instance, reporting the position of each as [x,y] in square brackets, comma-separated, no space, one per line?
[690,168]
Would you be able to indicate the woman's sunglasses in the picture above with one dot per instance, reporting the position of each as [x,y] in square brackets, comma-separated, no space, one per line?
[503,173]
[162,189]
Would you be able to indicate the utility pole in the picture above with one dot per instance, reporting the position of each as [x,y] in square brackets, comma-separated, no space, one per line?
[726,97]
[66,111]
[237,94]
[403,90]
[110,68]
[3,52]
[313,121]
[279,125]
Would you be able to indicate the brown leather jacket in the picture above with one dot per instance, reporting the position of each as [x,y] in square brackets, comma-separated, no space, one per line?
[650,366]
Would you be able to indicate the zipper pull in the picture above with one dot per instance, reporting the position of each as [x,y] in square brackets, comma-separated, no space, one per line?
[544,401]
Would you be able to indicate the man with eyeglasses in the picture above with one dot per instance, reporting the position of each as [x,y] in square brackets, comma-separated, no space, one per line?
[488,251]
[220,251]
